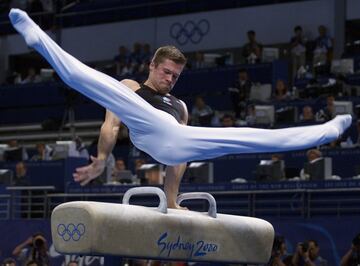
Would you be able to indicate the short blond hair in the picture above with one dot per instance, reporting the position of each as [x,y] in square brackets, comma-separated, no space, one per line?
[169,52]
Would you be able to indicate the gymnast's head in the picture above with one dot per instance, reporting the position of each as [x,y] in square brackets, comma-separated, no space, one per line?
[165,68]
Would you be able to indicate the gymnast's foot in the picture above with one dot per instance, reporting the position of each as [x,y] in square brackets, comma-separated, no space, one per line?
[341,123]
[25,26]
[177,206]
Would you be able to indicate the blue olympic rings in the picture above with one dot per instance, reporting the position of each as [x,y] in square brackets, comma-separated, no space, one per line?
[71,231]
[190,31]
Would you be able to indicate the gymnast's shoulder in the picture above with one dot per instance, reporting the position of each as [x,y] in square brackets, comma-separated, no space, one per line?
[132,84]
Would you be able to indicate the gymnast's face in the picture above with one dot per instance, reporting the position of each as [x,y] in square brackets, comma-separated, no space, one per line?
[164,76]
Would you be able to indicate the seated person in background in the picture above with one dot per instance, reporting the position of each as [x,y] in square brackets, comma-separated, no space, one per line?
[357,143]
[252,50]
[43,153]
[118,167]
[227,121]
[201,113]
[72,263]
[81,148]
[250,115]
[20,178]
[307,254]
[328,112]
[122,59]
[146,58]
[352,256]
[33,263]
[136,57]
[31,77]
[240,93]
[312,156]
[281,92]
[307,114]
[34,249]
[198,61]
[12,146]
[8,262]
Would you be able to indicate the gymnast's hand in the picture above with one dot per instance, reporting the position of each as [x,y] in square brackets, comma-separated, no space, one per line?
[87,173]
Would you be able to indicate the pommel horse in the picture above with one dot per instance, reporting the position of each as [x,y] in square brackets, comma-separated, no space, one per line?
[95,228]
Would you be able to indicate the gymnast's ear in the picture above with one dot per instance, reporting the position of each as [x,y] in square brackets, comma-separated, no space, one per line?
[152,65]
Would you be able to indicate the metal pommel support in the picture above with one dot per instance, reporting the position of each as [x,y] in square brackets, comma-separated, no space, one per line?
[147,191]
[199,195]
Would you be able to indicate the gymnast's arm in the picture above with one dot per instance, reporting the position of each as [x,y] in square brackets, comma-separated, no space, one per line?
[173,174]
[107,139]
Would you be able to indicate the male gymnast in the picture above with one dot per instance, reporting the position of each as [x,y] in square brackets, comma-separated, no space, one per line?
[163,133]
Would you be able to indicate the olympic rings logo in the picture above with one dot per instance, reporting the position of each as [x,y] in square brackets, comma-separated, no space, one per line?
[190,31]
[71,231]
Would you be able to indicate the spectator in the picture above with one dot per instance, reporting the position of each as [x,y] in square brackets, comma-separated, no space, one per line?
[136,57]
[34,250]
[252,50]
[201,113]
[227,121]
[32,263]
[281,91]
[357,143]
[198,61]
[307,254]
[147,54]
[81,148]
[122,60]
[15,152]
[352,256]
[324,47]
[8,262]
[312,156]
[240,93]
[328,112]
[298,50]
[43,153]
[32,76]
[278,252]
[73,263]
[20,178]
[250,115]
[307,114]
[119,166]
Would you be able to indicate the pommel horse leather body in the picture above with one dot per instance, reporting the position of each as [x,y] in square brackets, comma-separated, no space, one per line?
[84,227]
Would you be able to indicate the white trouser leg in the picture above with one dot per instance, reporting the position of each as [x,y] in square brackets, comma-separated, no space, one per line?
[135,112]
[186,143]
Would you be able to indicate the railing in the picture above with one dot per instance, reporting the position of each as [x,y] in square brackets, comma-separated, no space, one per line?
[38,202]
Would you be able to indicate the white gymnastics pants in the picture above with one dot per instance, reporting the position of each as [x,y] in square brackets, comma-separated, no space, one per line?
[158,133]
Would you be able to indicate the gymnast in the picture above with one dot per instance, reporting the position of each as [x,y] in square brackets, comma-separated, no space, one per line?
[157,120]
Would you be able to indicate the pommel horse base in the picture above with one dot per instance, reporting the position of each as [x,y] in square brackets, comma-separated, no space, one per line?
[95,228]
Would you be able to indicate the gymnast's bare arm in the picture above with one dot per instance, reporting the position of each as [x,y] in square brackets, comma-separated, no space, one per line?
[107,139]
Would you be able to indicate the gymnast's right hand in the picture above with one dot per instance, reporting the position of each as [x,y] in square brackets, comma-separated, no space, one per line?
[87,173]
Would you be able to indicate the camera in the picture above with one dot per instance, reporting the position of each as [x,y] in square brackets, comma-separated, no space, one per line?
[278,241]
[38,241]
[304,246]
[356,241]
